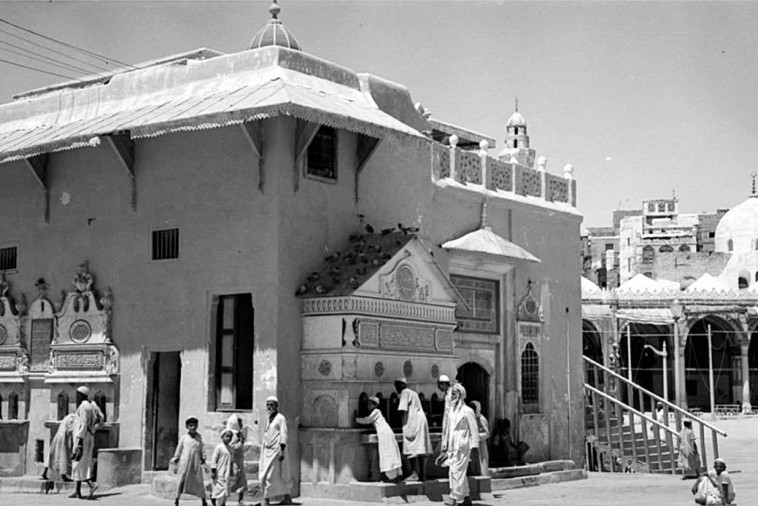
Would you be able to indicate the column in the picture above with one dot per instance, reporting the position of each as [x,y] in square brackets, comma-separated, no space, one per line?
[679,363]
[744,347]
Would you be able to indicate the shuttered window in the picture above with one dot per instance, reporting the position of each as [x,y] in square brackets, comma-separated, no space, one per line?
[233,367]
[8,257]
[166,244]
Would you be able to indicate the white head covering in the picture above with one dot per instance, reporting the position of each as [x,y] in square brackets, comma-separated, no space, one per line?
[402,380]
[460,389]
[272,398]
[83,390]
[443,379]
[720,461]
[374,399]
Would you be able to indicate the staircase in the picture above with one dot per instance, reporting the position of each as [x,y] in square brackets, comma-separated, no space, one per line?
[623,437]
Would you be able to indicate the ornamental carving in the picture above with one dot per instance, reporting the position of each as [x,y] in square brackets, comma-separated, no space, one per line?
[8,362]
[406,337]
[379,369]
[445,341]
[403,283]
[92,361]
[408,369]
[349,367]
[325,368]
[435,371]
[379,307]
[529,309]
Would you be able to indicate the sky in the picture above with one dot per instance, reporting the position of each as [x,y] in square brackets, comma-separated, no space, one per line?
[645,99]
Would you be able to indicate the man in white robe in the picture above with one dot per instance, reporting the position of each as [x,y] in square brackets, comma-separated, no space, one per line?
[88,419]
[462,436]
[274,466]
[443,383]
[416,442]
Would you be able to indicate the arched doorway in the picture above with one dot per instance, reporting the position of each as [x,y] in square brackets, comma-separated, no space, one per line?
[726,363]
[592,348]
[647,365]
[476,380]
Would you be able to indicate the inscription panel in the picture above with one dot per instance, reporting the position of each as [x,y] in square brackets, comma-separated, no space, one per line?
[79,361]
[8,362]
[42,334]
[402,337]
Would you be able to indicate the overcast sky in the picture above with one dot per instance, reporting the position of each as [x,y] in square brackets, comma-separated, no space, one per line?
[644,99]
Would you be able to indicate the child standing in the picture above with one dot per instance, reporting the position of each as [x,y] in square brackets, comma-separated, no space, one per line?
[389,453]
[190,458]
[222,469]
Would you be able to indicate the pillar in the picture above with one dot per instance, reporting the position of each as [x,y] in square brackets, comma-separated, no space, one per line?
[680,335]
[744,348]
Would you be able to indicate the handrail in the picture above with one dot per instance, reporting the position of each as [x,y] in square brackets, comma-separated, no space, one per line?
[656,397]
[629,408]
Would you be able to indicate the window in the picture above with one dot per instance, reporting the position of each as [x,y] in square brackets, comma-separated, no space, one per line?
[711,235]
[609,246]
[166,244]
[515,130]
[233,364]
[515,143]
[742,283]
[62,405]
[530,378]
[322,154]
[665,249]
[730,245]
[13,406]
[481,297]
[648,252]
[8,258]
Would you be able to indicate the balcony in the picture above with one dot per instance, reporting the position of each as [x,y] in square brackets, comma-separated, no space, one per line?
[478,168]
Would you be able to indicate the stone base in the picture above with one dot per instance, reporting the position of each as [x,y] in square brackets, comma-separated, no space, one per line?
[400,493]
[34,485]
[540,479]
[117,467]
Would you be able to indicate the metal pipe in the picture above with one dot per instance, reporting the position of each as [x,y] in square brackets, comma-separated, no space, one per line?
[710,372]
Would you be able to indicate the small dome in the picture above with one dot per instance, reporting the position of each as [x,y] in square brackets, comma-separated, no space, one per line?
[274,33]
[516,119]
[739,228]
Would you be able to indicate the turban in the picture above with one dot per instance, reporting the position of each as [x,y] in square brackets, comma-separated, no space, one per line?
[443,379]
[272,398]
[83,390]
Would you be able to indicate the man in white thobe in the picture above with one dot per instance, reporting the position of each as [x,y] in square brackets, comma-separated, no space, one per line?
[462,436]
[274,466]
[416,442]
[88,419]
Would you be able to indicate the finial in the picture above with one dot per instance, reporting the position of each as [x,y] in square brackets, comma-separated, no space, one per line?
[274,10]
[484,214]
[753,175]
[515,101]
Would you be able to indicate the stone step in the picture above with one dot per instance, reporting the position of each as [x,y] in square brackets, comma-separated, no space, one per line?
[500,484]
[34,485]
[164,485]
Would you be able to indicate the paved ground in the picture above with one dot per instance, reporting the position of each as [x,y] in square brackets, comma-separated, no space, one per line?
[739,449]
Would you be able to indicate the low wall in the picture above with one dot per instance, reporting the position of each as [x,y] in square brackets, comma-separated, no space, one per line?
[13,438]
[117,467]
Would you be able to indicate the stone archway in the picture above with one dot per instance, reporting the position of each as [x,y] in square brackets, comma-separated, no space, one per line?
[726,362]
[476,381]
[647,365]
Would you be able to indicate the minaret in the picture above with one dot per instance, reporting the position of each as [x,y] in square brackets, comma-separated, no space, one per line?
[516,148]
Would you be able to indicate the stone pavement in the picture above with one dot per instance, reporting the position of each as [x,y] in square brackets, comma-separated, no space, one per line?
[739,450]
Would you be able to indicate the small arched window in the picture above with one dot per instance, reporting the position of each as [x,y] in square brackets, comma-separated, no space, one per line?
[62,405]
[665,249]
[648,253]
[756,244]
[684,248]
[742,282]
[1,407]
[730,245]
[515,130]
[101,400]
[515,143]
[13,406]
[530,376]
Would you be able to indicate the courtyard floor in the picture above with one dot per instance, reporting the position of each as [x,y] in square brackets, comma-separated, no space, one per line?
[739,450]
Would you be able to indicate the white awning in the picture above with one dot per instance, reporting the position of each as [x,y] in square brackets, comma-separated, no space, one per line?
[486,241]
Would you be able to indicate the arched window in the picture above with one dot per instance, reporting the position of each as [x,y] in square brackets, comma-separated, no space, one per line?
[515,143]
[665,249]
[684,248]
[648,252]
[530,377]
[1,407]
[742,282]
[756,244]
[756,276]
[730,245]
[101,402]
[62,405]
[13,406]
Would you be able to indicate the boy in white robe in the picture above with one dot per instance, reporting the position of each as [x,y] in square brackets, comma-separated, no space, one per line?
[389,453]
[274,466]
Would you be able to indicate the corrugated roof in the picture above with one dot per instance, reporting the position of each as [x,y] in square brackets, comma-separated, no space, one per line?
[486,241]
[147,109]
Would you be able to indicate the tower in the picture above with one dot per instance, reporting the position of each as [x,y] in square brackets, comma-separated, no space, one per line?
[516,148]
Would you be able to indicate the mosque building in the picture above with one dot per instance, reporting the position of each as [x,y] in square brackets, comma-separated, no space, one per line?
[267,223]
[687,299]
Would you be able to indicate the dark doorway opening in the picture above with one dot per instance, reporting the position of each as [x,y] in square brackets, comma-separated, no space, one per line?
[476,381]
[163,409]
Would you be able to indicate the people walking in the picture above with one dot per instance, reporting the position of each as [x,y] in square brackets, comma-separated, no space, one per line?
[390,463]
[237,445]
[88,418]
[222,469]
[274,466]
[416,442]
[689,458]
[480,457]
[462,436]
[189,458]
[61,449]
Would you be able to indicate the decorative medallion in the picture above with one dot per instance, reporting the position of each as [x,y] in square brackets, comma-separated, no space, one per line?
[325,367]
[379,369]
[529,308]
[3,334]
[406,282]
[435,371]
[80,331]
[408,369]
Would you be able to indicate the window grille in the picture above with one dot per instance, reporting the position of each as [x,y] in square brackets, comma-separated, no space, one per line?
[233,364]
[322,154]
[530,375]
[166,244]
[480,311]
[8,258]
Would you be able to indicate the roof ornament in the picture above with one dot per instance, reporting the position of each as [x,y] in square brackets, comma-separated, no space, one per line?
[753,175]
[485,223]
[274,33]
[515,101]
[274,10]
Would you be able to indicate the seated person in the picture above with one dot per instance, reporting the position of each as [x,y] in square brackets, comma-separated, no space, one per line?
[504,451]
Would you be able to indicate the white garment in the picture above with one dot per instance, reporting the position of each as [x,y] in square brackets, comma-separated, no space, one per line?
[416,440]
[88,419]
[463,435]
[274,474]
[389,453]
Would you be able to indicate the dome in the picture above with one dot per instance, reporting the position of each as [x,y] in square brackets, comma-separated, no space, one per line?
[274,33]
[739,228]
[516,119]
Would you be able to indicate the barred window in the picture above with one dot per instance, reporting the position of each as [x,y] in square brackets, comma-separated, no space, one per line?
[8,258]
[530,376]
[166,244]
[480,311]
[322,154]
[13,406]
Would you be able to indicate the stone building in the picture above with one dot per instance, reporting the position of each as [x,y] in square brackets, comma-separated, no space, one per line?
[268,222]
[699,306]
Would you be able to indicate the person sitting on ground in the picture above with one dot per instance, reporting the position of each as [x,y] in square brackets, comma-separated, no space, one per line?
[505,451]
[715,485]
[390,464]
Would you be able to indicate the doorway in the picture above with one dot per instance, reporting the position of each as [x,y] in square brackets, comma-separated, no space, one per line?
[163,415]
[476,381]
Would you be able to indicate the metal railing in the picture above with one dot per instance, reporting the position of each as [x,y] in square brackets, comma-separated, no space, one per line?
[614,441]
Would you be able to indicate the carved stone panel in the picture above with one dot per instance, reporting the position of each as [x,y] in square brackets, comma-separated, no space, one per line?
[8,362]
[42,335]
[81,361]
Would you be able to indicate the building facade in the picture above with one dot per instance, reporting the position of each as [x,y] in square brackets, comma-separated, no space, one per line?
[270,223]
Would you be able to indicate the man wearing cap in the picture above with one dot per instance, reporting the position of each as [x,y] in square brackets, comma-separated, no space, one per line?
[274,466]
[719,476]
[443,383]
[390,463]
[416,442]
[88,419]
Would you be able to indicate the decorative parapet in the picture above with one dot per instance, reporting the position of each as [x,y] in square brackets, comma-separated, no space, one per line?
[379,307]
[478,168]
[14,359]
[664,298]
